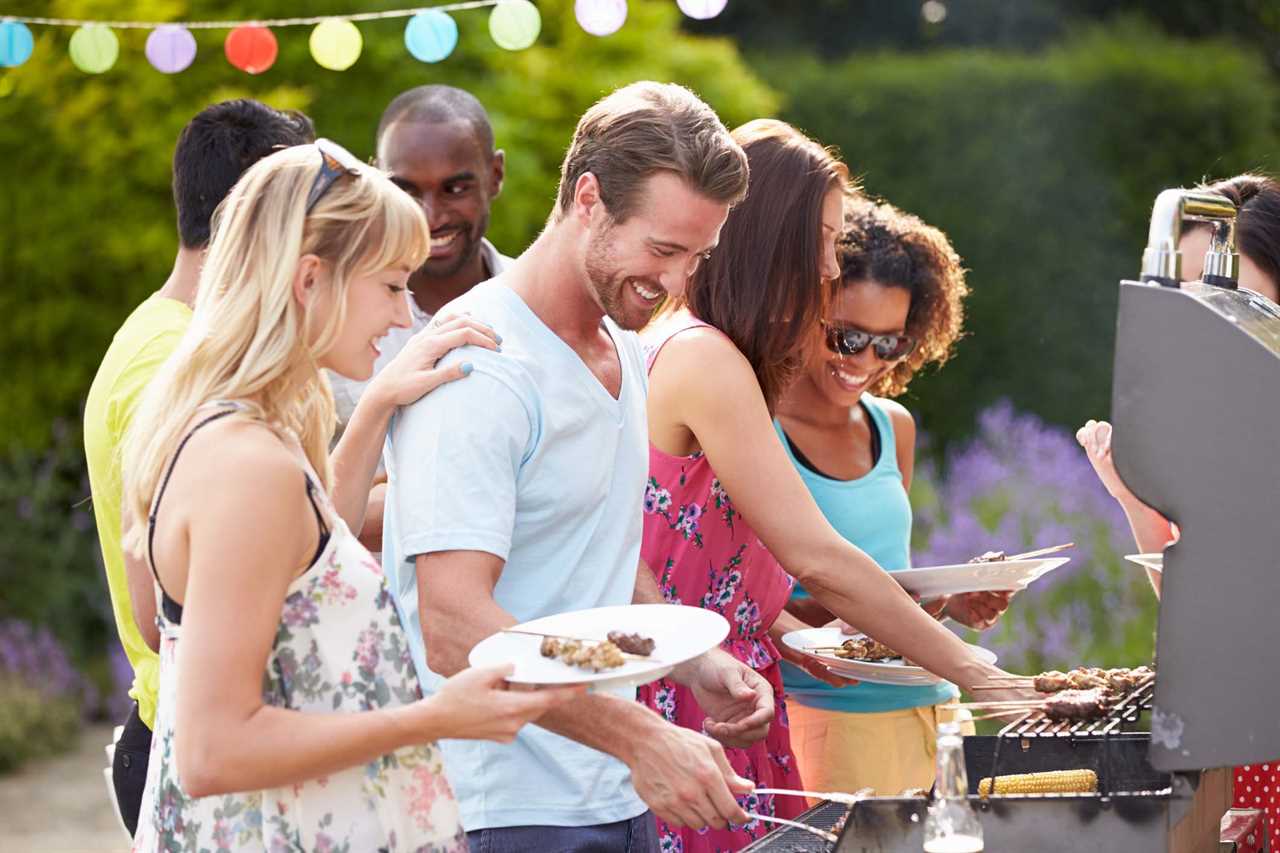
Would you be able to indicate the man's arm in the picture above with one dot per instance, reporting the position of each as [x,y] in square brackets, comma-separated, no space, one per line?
[142,593]
[682,775]
[371,533]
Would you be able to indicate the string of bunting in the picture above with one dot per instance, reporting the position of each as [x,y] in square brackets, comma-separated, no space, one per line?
[430,35]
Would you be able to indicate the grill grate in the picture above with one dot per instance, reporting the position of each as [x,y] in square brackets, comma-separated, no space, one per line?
[790,840]
[1126,711]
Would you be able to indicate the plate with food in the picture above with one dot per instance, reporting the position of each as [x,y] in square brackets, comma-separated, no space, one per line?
[989,575]
[619,646]
[858,656]
[1154,562]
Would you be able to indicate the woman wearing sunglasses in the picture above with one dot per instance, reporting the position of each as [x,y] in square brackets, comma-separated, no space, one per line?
[897,307]
[729,522]
[289,715]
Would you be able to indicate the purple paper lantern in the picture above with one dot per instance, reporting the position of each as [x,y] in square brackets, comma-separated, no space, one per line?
[171,48]
[601,17]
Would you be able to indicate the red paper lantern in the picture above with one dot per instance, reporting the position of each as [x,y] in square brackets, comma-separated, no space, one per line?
[252,49]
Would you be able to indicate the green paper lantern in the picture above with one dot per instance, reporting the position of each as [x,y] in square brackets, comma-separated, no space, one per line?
[336,44]
[514,24]
[94,48]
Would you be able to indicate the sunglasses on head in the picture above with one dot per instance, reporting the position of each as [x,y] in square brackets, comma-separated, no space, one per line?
[335,161]
[849,341]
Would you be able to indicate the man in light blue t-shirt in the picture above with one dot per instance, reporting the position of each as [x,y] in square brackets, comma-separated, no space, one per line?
[518,493]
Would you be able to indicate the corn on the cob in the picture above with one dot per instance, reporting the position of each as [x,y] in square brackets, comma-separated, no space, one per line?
[1051,782]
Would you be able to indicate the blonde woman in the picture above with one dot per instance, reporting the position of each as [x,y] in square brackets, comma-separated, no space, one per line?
[289,713]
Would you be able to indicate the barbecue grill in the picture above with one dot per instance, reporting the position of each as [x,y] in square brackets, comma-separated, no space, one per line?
[1196,406]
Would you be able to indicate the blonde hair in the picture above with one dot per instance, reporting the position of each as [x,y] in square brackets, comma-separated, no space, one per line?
[250,340]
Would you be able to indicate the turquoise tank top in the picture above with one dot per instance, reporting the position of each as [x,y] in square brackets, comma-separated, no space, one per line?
[872,512]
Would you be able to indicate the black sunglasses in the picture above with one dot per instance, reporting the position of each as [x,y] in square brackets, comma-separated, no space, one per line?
[849,341]
[335,161]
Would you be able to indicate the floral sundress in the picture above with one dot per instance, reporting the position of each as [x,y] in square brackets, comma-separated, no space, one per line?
[703,553]
[340,647]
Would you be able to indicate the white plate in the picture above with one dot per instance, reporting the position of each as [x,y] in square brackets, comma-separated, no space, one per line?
[976,577]
[881,672]
[1155,562]
[679,634]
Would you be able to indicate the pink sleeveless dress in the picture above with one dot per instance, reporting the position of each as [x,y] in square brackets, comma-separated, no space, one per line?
[703,553]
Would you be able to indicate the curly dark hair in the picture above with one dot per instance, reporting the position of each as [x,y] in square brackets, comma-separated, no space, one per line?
[882,244]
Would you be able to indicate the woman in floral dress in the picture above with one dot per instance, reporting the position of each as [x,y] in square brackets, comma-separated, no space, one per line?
[289,715]
[728,521]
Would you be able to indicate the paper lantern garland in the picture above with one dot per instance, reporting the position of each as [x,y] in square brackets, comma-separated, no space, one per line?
[16,44]
[171,48]
[702,9]
[94,48]
[514,24]
[431,36]
[251,49]
[336,44]
[601,17]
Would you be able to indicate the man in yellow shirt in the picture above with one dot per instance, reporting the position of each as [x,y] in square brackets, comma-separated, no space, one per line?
[213,150]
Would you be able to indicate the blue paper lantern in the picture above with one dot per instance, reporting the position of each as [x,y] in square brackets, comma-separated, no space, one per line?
[16,44]
[431,35]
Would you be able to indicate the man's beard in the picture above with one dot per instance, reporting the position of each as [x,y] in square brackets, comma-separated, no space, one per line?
[610,286]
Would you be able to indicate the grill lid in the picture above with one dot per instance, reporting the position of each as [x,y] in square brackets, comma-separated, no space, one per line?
[1196,408]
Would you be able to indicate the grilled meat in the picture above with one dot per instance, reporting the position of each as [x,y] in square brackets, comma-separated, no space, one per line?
[593,656]
[1079,704]
[632,643]
[1120,680]
[865,649]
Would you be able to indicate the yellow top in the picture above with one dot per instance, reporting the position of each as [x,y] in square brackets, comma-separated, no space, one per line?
[137,351]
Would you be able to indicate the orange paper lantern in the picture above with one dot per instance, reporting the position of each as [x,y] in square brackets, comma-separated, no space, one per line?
[252,49]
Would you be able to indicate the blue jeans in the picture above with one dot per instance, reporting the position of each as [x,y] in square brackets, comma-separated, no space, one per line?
[638,835]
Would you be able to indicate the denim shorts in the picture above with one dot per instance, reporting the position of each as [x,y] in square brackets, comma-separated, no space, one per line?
[638,835]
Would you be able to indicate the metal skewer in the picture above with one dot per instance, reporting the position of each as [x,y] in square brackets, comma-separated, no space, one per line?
[562,637]
[832,796]
[1041,552]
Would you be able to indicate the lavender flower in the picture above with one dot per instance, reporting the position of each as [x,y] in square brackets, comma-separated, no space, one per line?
[1021,484]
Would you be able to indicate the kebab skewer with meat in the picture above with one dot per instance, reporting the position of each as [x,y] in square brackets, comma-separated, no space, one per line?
[596,657]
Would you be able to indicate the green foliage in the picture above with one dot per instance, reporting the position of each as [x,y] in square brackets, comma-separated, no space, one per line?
[33,724]
[50,566]
[837,28]
[1042,169]
[86,220]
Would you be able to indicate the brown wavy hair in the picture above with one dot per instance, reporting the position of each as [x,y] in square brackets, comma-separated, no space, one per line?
[882,244]
[762,286]
[645,128]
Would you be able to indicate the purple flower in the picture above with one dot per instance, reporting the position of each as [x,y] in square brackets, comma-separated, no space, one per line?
[300,611]
[1020,484]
